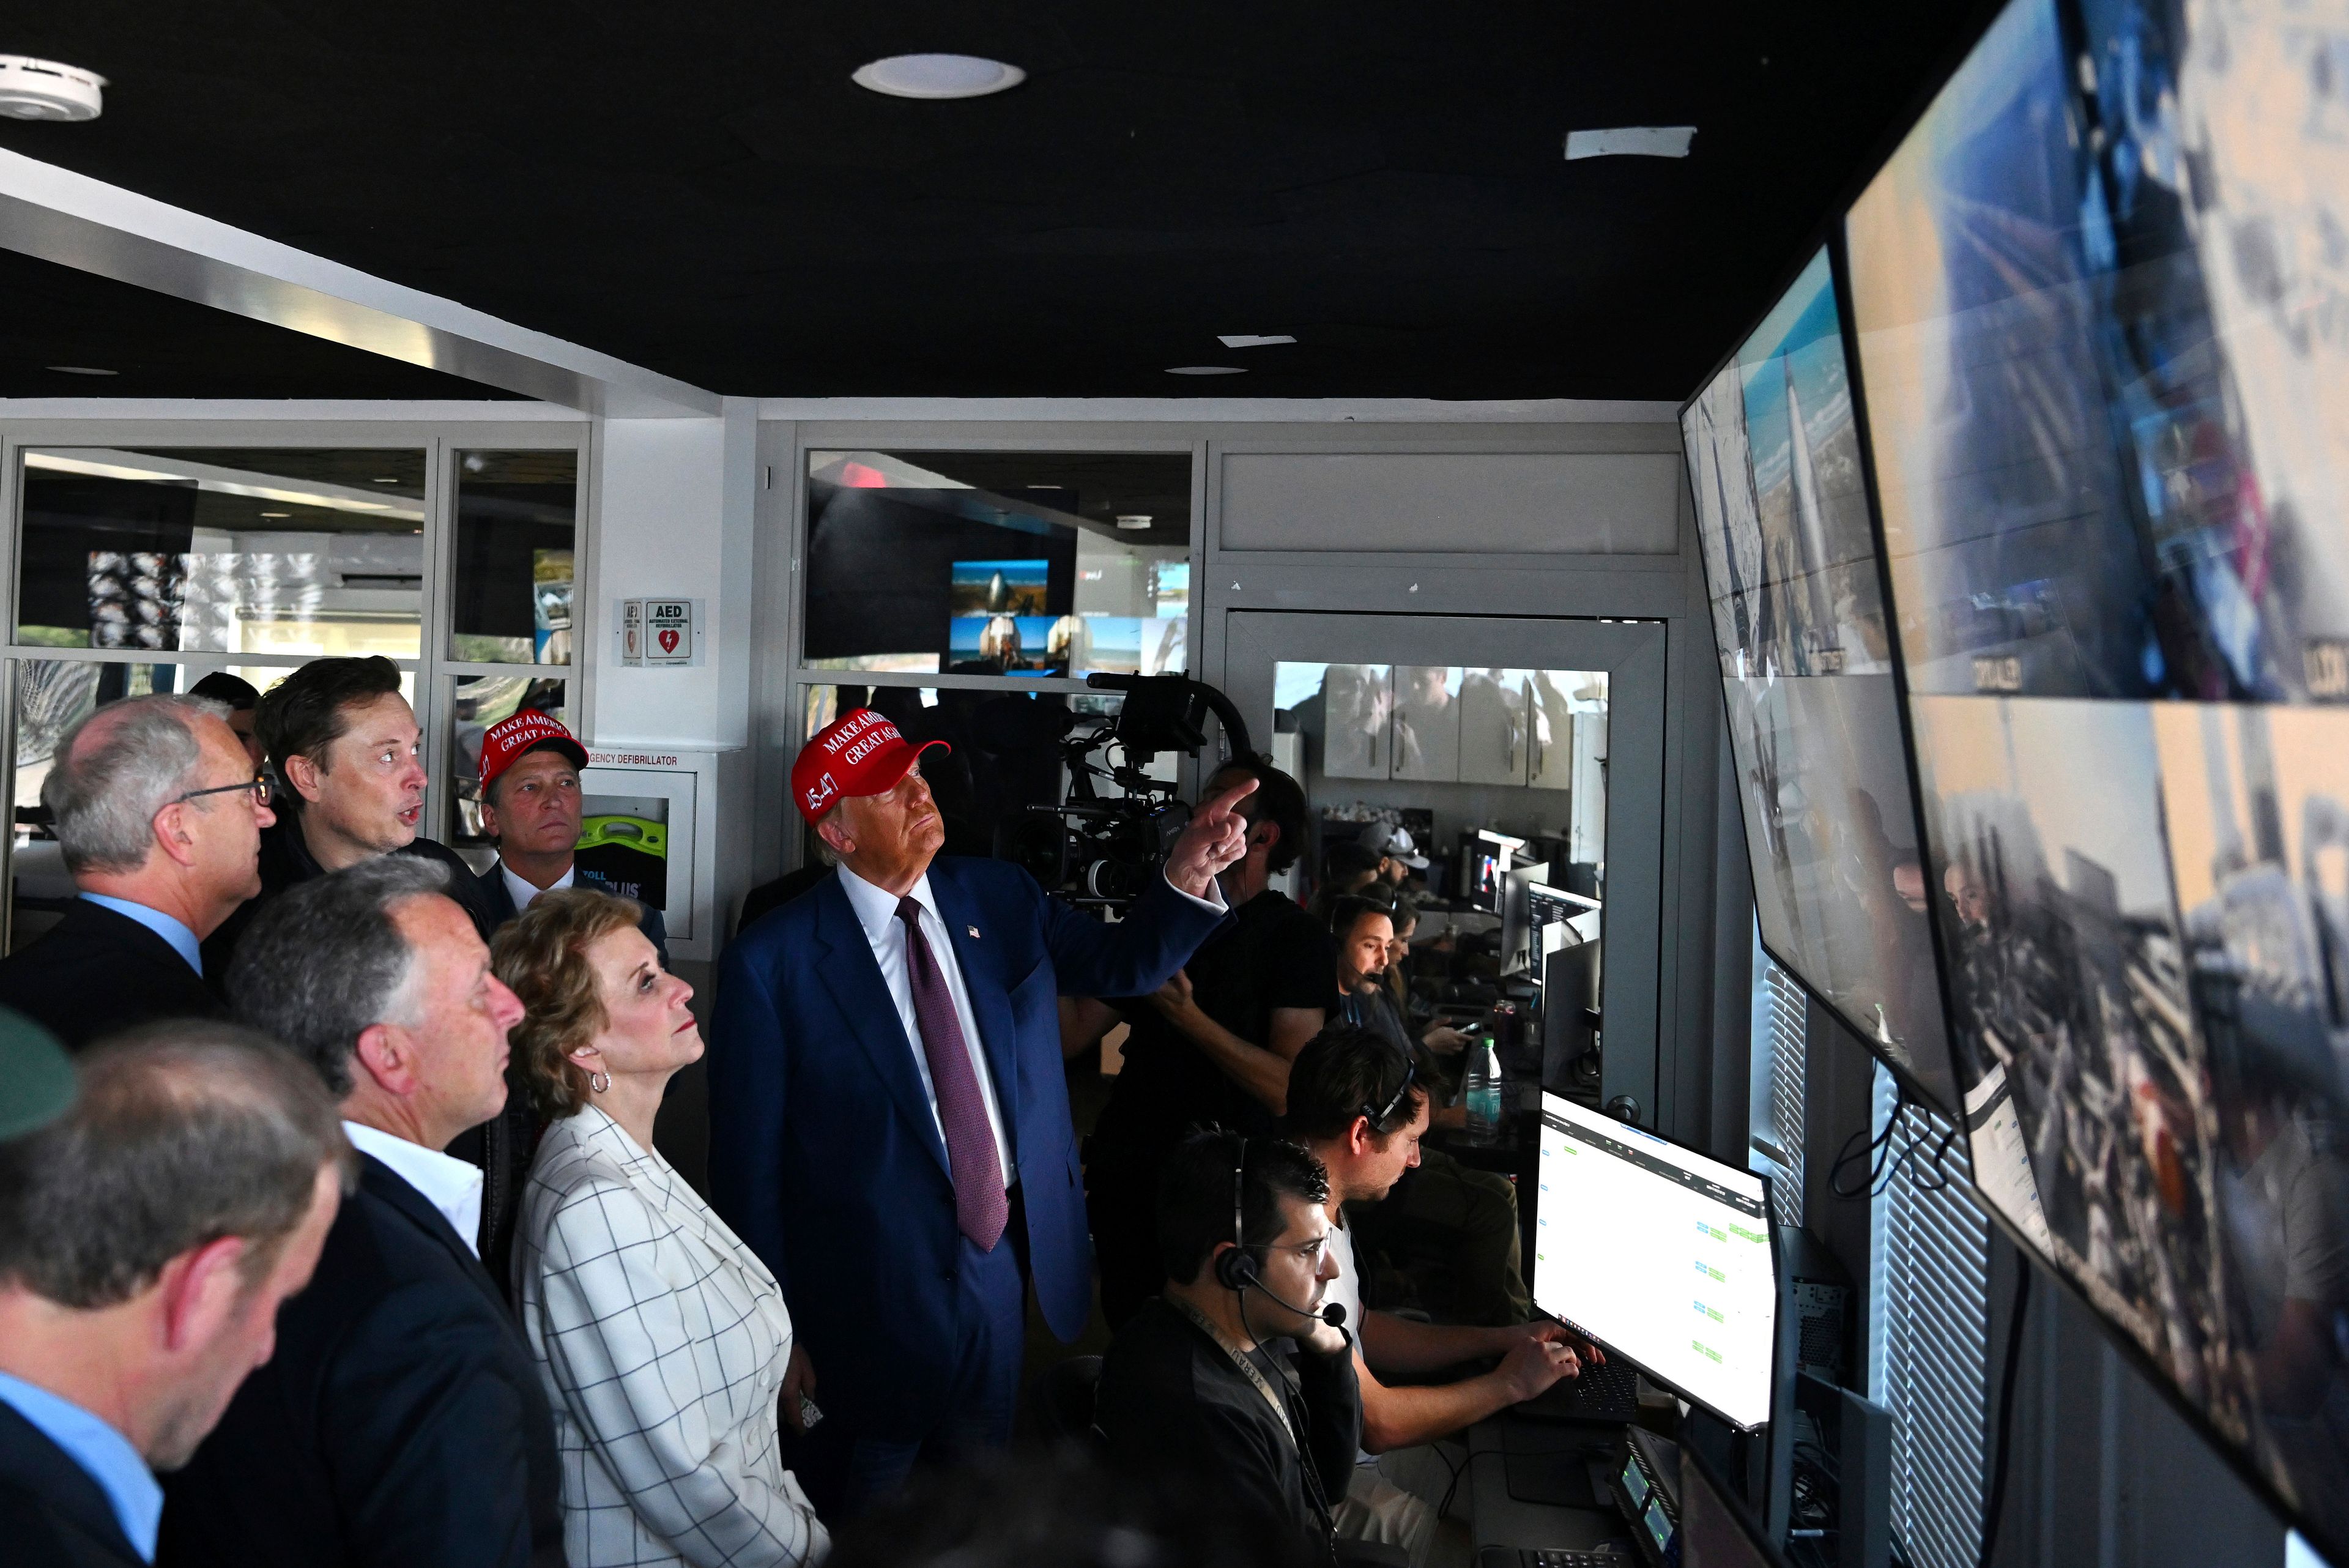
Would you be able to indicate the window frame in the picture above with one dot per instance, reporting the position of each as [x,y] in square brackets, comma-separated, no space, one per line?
[433,670]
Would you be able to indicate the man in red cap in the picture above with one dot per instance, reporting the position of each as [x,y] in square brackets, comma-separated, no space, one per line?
[531,805]
[889,1126]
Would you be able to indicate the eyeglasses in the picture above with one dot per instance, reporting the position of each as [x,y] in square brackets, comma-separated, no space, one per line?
[1312,1252]
[257,786]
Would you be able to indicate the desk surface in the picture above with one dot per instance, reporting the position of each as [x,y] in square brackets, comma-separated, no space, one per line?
[1500,1520]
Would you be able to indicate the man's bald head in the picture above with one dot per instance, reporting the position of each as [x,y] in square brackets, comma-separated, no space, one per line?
[115,770]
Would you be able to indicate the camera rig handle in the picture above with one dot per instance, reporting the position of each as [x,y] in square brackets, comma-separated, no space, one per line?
[1164,714]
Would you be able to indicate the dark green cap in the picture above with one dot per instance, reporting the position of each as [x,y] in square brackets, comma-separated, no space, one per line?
[36,1076]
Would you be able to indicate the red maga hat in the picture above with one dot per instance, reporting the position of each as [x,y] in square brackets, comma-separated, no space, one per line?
[506,741]
[863,753]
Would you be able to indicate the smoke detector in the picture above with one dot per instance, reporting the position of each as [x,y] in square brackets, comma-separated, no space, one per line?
[43,89]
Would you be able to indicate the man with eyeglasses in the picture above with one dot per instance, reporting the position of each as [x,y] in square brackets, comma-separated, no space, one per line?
[158,814]
[1232,1377]
[1357,1105]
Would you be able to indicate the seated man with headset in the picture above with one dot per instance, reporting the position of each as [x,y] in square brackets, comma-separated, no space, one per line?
[1235,1372]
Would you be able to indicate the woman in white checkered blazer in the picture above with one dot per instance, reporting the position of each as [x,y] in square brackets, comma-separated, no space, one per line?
[662,1338]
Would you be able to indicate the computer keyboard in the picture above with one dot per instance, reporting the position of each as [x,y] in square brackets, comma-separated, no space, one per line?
[1551,1557]
[1607,1392]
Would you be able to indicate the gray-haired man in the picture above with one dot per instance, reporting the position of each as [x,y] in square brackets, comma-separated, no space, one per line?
[402,1420]
[159,813]
[147,1237]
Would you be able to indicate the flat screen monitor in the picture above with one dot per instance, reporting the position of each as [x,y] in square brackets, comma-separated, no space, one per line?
[1840,888]
[1716,1530]
[2111,452]
[1549,912]
[1516,925]
[1662,1255]
[1485,859]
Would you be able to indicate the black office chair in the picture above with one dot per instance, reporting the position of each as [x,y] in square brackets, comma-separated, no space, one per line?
[1064,1398]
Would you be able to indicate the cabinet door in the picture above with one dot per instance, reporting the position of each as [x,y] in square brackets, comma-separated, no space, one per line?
[1358,721]
[1493,726]
[1427,722]
[1554,698]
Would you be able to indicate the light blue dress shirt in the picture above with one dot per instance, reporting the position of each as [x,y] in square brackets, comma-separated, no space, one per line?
[98,1448]
[184,941]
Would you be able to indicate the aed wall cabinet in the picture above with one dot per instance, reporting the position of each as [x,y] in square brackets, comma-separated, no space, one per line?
[651,824]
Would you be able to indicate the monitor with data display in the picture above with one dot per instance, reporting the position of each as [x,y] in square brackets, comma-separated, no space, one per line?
[1662,1255]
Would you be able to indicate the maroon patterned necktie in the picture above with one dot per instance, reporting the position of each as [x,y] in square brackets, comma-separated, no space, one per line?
[981,1206]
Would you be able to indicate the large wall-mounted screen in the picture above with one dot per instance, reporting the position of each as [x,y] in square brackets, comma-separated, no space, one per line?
[2100,299]
[1840,884]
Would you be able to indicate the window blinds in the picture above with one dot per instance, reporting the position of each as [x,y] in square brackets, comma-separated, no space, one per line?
[1930,1349]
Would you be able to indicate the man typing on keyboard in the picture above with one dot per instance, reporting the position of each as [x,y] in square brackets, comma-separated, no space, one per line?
[1358,1106]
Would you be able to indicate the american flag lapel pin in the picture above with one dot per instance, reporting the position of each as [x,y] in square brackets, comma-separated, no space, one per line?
[974,932]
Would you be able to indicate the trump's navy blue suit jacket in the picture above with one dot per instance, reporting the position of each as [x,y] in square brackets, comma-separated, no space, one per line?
[824,1156]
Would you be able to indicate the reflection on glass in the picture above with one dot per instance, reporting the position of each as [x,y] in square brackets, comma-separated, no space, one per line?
[517,527]
[1019,564]
[280,551]
[1427,722]
[1510,888]
[481,702]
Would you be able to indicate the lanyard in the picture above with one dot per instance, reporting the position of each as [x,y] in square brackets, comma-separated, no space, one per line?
[1241,1359]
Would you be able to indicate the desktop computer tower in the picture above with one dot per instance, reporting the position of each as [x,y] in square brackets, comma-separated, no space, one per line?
[1818,1293]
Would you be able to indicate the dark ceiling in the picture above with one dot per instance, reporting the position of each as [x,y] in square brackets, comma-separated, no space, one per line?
[702,190]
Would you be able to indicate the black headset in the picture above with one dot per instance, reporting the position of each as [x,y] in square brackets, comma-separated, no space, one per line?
[1237,1270]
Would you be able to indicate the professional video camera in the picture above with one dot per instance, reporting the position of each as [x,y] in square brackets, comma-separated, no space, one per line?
[1101,850]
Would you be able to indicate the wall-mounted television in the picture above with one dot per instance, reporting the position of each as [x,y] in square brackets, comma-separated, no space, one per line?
[1840,888]
[2100,303]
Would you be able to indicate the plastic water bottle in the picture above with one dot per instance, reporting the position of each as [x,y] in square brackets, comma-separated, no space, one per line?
[1484,1091]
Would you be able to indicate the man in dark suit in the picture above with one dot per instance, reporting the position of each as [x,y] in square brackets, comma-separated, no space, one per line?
[402,1420]
[159,815]
[121,1342]
[889,1125]
[530,805]
[348,761]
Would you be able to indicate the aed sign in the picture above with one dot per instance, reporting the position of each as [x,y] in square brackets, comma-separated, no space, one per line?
[659,633]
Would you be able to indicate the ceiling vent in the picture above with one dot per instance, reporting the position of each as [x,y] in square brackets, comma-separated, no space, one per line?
[43,89]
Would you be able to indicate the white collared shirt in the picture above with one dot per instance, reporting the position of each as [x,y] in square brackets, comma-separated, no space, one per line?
[449,1184]
[523,892]
[877,911]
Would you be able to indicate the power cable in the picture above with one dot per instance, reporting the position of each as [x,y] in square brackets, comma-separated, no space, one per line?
[1994,1505]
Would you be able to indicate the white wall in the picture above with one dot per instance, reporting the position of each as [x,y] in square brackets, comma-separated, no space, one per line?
[672,518]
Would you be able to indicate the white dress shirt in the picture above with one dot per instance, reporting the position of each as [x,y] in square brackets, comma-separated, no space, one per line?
[877,911]
[523,892]
[448,1183]
[662,1341]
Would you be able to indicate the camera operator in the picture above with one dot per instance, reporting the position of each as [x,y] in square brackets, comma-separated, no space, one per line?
[1204,1381]
[1211,1046]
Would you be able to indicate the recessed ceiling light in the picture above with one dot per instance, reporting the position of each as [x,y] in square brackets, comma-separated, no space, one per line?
[937,76]
[82,370]
[1136,521]
[278,515]
[1631,142]
[385,479]
[1254,340]
[44,89]
[1206,370]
